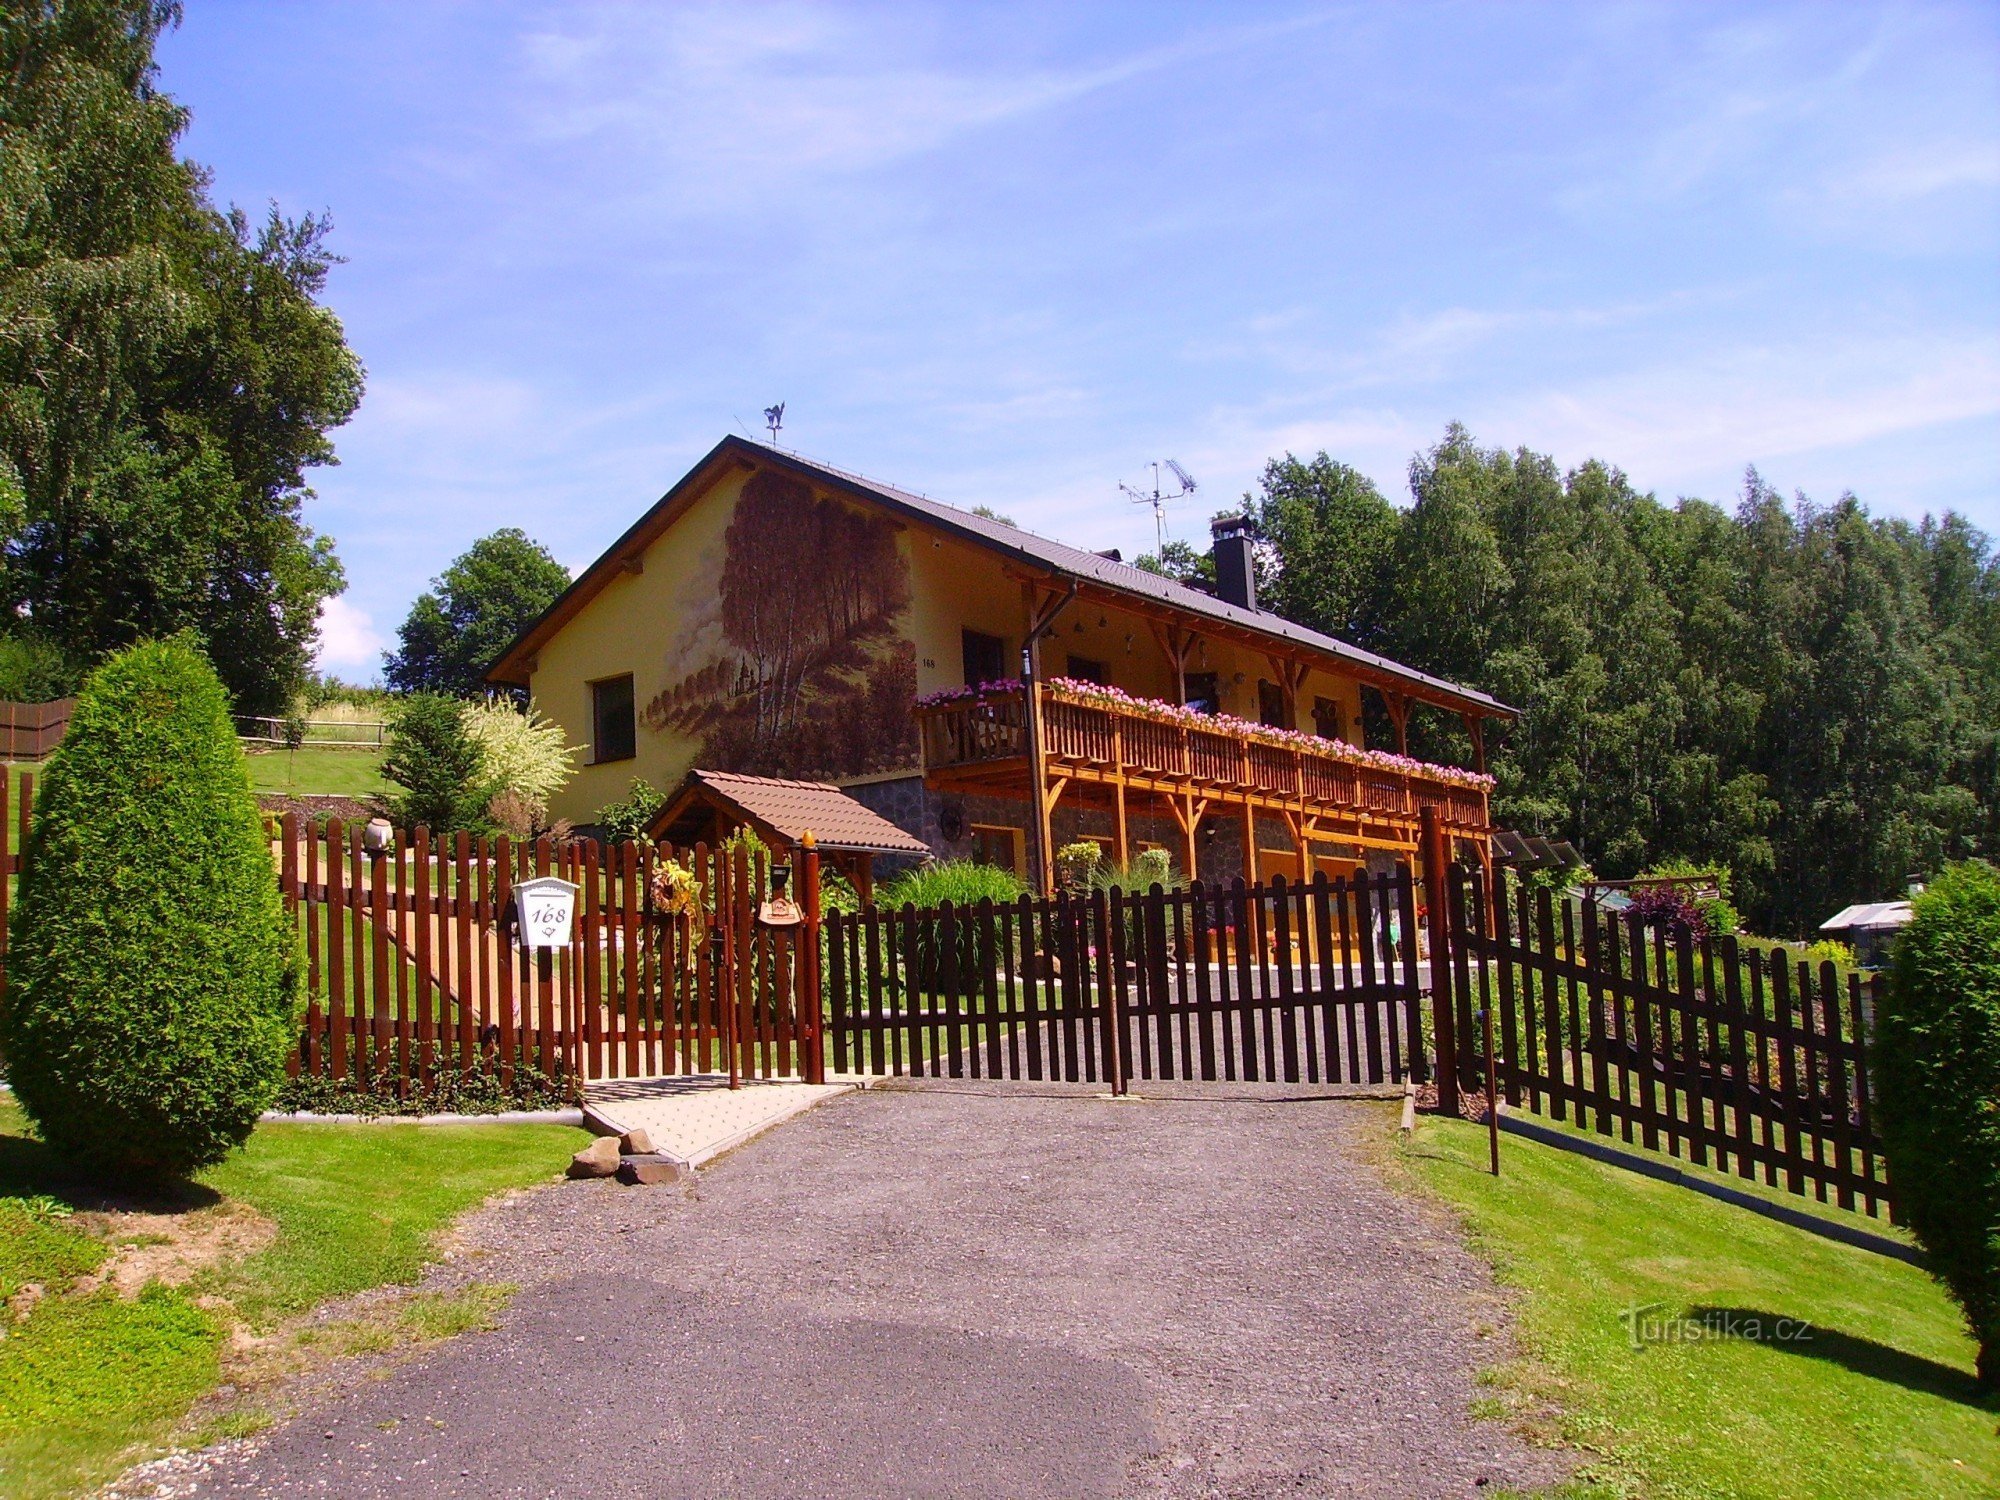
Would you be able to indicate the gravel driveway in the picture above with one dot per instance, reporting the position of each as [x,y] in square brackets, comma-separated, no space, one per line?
[952,1291]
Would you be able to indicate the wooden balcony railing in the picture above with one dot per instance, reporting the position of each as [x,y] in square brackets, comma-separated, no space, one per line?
[1076,736]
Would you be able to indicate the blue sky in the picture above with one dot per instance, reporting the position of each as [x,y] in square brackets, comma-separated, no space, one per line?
[1009,255]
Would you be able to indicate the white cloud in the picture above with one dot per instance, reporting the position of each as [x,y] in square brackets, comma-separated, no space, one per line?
[711,107]
[349,644]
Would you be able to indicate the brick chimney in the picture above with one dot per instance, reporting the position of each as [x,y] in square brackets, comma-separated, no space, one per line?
[1235,569]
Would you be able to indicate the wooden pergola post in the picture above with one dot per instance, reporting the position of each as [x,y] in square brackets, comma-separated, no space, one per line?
[1399,715]
[1444,1011]
[1041,615]
[1122,844]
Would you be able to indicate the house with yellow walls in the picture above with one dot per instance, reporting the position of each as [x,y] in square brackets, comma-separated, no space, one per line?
[993,692]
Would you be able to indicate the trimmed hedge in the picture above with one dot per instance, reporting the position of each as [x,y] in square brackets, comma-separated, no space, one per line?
[153,982]
[1937,1074]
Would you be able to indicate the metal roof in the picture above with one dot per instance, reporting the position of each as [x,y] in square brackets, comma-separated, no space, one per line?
[1075,562]
[1025,546]
[1878,914]
[791,809]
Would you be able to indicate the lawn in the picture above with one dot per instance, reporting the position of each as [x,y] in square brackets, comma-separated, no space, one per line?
[16,771]
[317,770]
[90,1380]
[1875,1398]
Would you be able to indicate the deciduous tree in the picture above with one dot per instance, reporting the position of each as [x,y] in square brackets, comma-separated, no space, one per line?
[168,374]
[475,609]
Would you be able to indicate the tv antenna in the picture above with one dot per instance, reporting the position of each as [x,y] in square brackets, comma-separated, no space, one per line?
[1158,500]
[774,418]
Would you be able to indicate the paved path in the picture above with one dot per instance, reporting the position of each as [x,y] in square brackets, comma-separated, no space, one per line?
[698,1116]
[970,1290]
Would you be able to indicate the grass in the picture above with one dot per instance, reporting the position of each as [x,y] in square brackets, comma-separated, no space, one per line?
[1876,1399]
[317,770]
[89,1382]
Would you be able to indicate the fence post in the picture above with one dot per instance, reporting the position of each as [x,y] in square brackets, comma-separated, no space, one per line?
[808,960]
[1110,1015]
[1444,1011]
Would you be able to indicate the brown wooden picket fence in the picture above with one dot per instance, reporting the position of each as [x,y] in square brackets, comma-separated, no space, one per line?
[30,731]
[1728,1055]
[1292,983]
[413,968]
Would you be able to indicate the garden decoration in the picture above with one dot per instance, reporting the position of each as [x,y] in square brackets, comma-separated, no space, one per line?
[676,894]
[780,910]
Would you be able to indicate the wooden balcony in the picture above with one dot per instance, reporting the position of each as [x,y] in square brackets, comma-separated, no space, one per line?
[980,743]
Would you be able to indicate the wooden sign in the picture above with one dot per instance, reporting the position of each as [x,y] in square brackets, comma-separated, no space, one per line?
[546,907]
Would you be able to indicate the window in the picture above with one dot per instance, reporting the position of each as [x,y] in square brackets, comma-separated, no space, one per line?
[1271,705]
[985,657]
[1202,693]
[613,732]
[1327,720]
[1086,669]
[997,846]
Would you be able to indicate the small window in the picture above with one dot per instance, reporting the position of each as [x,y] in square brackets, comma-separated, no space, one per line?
[1328,721]
[614,734]
[1202,693]
[1086,669]
[985,657]
[1271,705]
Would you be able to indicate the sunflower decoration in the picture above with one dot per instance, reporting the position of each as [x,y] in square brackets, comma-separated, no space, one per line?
[675,892]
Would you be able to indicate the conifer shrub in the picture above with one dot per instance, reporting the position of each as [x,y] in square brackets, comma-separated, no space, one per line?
[437,764]
[153,981]
[1937,1076]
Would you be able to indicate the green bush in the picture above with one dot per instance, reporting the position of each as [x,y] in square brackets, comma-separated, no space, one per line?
[1828,950]
[1077,864]
[154,979]
[622,821]
[973,948]
[959,881]
[1149,868]
[521,750]
[437,764]
[34,670]
[1937,1073]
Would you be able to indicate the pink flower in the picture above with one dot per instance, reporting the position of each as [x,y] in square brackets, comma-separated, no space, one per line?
[1117,700]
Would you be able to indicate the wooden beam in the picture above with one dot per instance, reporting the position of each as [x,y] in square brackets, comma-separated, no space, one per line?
[1399,715]
[1475,726]
[1053,794]
[1291,675]
[1121,842]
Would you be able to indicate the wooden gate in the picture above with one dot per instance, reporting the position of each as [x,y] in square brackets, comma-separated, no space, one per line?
[413,963]
[1282,983]
[1740,1057]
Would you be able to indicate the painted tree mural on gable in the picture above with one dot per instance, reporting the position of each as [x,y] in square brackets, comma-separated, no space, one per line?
[819,678]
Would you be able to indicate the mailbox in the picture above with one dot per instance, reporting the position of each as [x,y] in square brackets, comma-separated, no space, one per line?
[546,907]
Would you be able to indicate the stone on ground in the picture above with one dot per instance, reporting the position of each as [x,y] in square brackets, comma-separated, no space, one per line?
[598,1159]
[651,1170]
